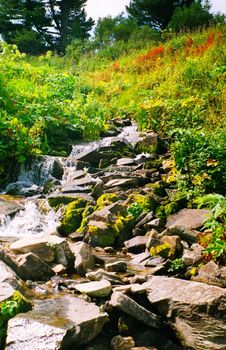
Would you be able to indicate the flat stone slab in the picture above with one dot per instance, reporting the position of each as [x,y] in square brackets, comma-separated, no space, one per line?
[100,289]
[188,218]
[63,323]
[167,293]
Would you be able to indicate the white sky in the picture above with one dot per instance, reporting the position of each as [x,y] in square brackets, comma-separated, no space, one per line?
[102,8]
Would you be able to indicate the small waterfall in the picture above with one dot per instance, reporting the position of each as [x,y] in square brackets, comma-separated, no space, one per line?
[27,222]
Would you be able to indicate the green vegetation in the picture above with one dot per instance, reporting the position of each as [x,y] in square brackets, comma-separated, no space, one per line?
[9,309]
[214,239]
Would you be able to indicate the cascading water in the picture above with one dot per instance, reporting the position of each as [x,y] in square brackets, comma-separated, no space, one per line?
[29,221]
[32,178]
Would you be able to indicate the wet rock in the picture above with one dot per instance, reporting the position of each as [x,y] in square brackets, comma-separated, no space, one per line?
[99,289]
[195,310]
[9,206]
[27,266]
[136,244]
[117,266]
[70,188]
[193,256]
[56,169]
[211,273]
[138,279]
[100,275]
[122,343]
[84,181]
[130,307]
[84,259]
[55,324]
[188,218]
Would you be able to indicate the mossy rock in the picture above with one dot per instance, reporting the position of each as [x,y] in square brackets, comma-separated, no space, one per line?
[9,309]
[105,200]
[87,211]
[158,188]
[101,235]
[72,217]
[164,250]
[144,202]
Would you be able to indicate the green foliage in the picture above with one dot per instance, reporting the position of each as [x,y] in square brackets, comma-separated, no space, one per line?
[215,244]
[135,210]
[9,309]
[196,15]
[177,265]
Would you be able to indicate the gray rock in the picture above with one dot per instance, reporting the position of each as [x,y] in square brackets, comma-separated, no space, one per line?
[190,236]
[117,266]
[193,256]
[211,273]
[195,310]
[174,242]
[6,291]
[70,188]
[188,218]
[55,324]
[84,259]
[153,239]
[49,248]
[156,224]
[144,220]
[125,161]
[136,244]
[140,258]
[130,307]
[10,207]
[129,182]
[100,275]
[27,266]
[99,289]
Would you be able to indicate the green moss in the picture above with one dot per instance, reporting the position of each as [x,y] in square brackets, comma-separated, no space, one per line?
[72,217]
[9,309]
[105,200]
[101,237]
[56,202]
[164,250]
[145,203]
[158,188]
[88,210]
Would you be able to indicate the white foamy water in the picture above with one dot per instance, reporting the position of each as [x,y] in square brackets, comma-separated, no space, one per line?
[28,222]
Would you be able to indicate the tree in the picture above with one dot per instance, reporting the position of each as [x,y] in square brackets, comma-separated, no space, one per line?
[191,17]
[69,21]
[43,24]
[110,29]
[155,13]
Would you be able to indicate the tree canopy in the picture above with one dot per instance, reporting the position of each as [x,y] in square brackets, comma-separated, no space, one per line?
[37,25]
[155,13]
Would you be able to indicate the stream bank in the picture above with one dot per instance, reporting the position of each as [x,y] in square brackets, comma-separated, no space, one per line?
[82,239]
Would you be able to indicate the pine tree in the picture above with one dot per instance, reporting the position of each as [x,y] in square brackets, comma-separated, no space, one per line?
[39,25]
[155,13]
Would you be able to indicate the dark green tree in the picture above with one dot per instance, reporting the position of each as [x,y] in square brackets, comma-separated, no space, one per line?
[155,13]
[196,15]
[69,20]
[38,25]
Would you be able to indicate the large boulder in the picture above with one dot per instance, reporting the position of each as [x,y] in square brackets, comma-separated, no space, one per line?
[63,323]
[188,218]
[27,266]
[195,310]
[50,248]
[99,289]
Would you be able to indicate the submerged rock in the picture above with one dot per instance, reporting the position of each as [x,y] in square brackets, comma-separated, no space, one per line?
[63,323]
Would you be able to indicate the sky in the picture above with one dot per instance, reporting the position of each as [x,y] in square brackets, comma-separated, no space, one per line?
[102,8]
